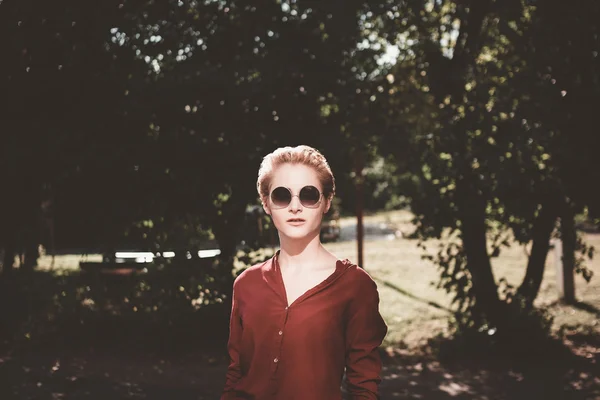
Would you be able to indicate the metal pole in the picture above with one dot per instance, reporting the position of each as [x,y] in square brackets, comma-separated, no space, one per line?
[359,205]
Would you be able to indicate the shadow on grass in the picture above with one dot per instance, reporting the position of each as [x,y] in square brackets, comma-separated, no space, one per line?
[413,296]
[110,358]
[451,368]
[587,307]
[107,376]
[580,305]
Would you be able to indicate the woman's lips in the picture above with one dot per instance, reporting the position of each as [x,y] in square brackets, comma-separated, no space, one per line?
[295,221]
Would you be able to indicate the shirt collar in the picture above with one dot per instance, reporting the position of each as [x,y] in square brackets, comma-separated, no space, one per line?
[271,274]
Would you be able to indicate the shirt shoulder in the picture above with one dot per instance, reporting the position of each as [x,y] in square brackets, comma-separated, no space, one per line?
[359,276]
[250,275]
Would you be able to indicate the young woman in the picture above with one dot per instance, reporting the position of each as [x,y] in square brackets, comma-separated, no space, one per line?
[301,318]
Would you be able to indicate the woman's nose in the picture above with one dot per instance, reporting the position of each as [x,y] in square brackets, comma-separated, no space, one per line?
[295,203]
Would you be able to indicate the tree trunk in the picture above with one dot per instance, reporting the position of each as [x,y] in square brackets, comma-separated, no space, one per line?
[31,255]
[8,259]
[226,230]
[29,224]
[569,242]
[542,230]
[471,207]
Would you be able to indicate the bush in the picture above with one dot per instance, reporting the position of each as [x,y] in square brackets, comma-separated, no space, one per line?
[171,307]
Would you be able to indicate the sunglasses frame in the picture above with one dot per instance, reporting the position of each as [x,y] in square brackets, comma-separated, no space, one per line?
[292,195]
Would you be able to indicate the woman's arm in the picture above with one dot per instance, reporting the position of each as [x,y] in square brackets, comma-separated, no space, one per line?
[365,330]
[234,372]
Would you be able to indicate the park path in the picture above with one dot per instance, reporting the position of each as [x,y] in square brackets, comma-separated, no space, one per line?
[372,231]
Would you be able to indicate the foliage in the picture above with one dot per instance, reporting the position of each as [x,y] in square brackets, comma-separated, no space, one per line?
[159,112]
[92,309]
[386,186]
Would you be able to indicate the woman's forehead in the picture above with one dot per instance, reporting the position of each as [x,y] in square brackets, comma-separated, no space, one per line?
[295,176]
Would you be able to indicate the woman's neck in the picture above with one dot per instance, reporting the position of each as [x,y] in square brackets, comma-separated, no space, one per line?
[296,253]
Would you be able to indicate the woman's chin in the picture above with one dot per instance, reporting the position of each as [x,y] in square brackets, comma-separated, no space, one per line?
[298,234]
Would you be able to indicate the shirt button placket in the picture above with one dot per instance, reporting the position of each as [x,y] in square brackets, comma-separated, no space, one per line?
[280,339]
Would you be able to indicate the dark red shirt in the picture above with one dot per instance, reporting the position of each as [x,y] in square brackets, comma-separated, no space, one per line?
[300,352]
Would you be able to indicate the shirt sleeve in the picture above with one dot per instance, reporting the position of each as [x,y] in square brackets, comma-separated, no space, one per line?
[234,372]
[365,330]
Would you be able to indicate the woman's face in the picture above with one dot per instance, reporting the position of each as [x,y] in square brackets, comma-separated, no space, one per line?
[296,221]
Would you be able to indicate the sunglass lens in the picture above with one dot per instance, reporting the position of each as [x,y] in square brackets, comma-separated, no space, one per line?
[281,197]
[310,196]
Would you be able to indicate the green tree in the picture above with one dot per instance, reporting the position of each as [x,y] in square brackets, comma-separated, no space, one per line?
[485,136]
[62,96]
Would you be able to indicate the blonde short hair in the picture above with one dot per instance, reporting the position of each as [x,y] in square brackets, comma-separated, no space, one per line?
[304,155]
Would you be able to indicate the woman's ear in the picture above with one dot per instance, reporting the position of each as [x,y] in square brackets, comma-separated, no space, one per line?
[266,207]
[327,205]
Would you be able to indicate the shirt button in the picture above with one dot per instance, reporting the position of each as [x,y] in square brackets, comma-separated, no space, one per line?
[276,360]
[280,333]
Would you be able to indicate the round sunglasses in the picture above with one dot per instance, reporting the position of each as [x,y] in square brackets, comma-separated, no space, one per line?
[309,197]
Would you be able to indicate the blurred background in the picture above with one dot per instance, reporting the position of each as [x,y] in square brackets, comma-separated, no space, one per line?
[462,134]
